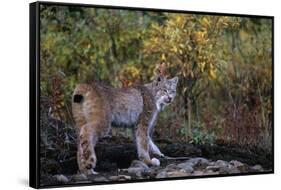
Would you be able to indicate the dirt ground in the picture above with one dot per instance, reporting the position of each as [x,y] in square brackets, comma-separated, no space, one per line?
[117,161]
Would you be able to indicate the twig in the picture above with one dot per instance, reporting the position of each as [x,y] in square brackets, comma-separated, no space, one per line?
[176,158]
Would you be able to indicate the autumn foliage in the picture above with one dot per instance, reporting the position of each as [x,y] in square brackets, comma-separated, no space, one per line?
[224,64]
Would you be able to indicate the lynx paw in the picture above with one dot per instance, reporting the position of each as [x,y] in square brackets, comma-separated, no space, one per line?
[90,172]
[155,162]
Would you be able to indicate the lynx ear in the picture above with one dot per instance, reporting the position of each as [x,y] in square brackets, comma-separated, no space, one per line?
[159,78]
[175,80]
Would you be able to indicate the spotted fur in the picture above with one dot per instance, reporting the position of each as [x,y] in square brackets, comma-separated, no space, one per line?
[96,108]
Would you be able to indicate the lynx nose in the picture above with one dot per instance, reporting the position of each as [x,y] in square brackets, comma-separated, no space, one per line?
[169,99]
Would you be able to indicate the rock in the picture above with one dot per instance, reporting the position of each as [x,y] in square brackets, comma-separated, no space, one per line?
[100,179]
[171,167]
[210,172]
[232,170]
[212,163]
[113,178]
[229,170]
[236,163]
[138,164]
[198,161]
[80,177]
[119,178]
[162,174]
[179,173]
[81,182]
[124,177]
[198,173]
[239,165]
[186,167]
[61,178]
[136,171]
[221,163]
[224,167]
[138,168]
[257,168]
[213,168]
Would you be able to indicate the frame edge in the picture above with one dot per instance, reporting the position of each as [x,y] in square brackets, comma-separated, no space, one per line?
[33,92]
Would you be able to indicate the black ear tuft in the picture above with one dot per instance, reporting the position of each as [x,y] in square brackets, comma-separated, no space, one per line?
[77,98]
[158,79]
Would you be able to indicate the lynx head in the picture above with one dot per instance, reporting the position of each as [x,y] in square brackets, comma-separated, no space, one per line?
[164,91]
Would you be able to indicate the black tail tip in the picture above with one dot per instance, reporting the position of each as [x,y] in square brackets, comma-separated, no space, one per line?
[77,98]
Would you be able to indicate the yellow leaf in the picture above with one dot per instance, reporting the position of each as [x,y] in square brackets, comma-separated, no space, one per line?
[163,57]
[213,74]
[202,66]
[180,21]
[205,22]
[174,49]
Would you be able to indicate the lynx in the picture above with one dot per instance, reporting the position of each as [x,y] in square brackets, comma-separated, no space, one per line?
[96,108]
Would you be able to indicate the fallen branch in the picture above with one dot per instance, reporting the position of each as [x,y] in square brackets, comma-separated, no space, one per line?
[176,158]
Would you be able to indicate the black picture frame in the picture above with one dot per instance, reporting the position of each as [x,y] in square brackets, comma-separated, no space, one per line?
[34,93]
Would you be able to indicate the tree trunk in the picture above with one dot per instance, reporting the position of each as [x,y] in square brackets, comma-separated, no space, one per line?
[189,116]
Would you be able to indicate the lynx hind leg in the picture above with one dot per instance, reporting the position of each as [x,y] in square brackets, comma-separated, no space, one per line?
[142,141]
[86,156]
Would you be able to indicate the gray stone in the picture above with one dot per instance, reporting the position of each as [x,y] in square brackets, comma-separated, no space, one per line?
[229,170]
[198,173]
[171,167]
[221,163]
[135,171]
[61,178]
[239,165]
[213,168]
[257,168]
[113,178]
[236,163]
[162,174]
[81,182]
[124,177]
[186,167]
[80,177]
[138,164]
[198,161]
[138,168]
[119,178]
[232,170]
[210,172]
[179,173]
[100,179]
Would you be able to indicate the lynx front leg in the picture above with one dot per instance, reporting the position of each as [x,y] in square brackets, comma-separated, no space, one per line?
[142,140]
[86,155]
[154,149]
